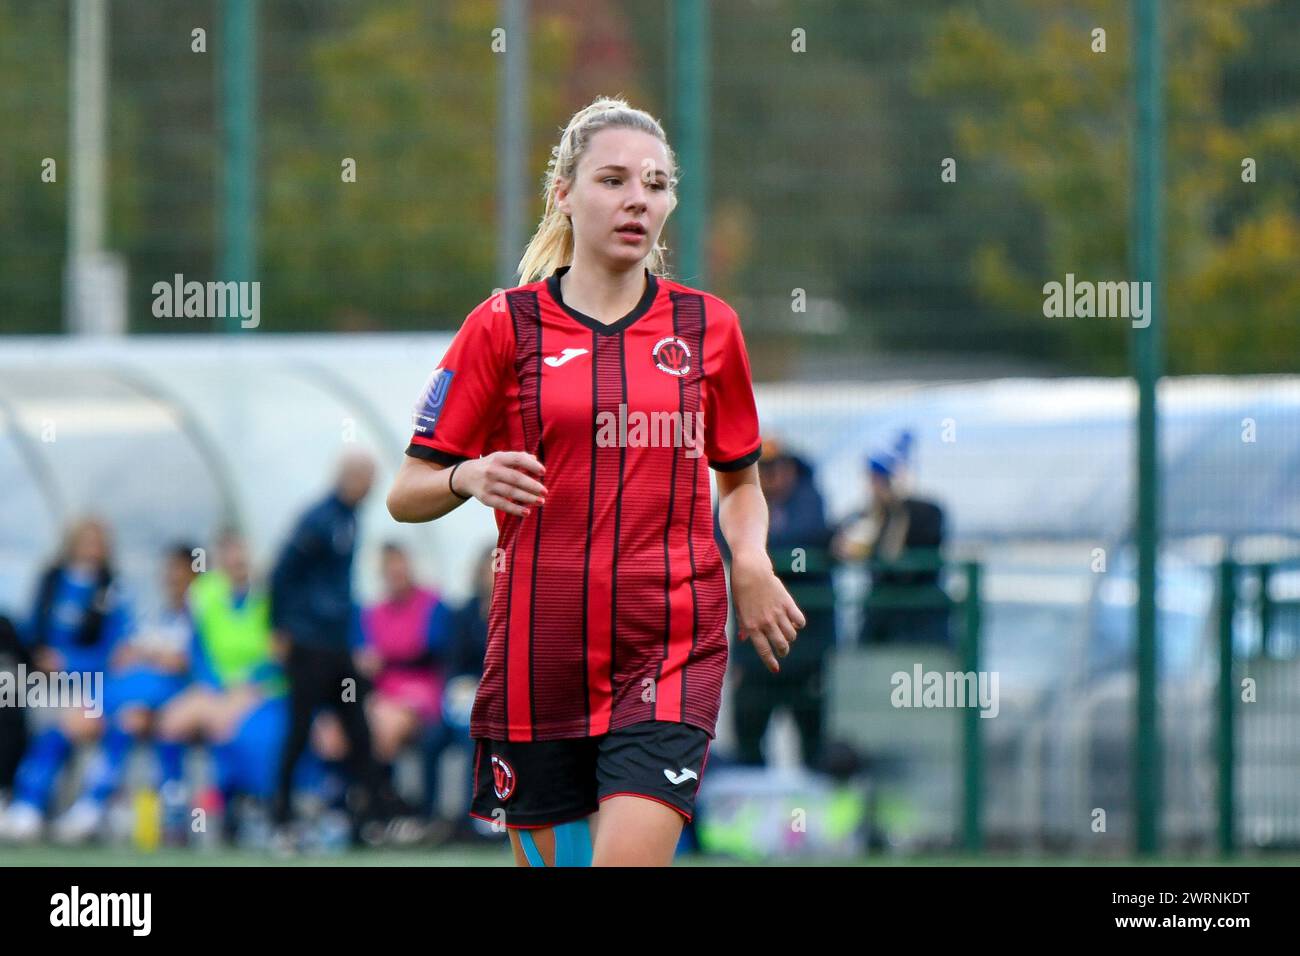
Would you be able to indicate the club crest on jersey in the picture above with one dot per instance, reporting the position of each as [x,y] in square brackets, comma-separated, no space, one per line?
[434,396]
[672,356]
[503,778]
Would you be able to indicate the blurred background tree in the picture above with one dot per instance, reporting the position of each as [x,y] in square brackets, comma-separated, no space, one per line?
[1038,102]
[829,124]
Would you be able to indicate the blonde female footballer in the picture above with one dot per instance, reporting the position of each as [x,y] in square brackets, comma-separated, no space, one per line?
[587,407]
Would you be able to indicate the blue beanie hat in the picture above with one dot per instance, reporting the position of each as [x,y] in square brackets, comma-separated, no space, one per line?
[882,463]
[886,463]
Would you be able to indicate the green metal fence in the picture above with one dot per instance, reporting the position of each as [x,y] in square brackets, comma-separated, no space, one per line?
[1250,693]
[1258,708]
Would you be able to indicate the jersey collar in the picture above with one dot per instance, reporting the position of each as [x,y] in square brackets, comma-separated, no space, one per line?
[613,328]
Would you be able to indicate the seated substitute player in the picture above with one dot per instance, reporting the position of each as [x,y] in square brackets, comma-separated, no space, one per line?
[79,618]
[579,406]
[406,636]
[405,654]
[147,669]
[236,702]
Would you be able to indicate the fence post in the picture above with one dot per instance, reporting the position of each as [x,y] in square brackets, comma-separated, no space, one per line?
[1265,609]
[972,756]
[238,236]
[692,65]
[1227,707]
[1148,249]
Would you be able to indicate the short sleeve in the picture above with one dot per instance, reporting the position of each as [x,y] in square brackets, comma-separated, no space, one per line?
[462,401]
[731,434]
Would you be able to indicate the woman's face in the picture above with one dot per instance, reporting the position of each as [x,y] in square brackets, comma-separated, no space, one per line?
[881,489]
[396,570]
[177,575]
[777,478]
[89,546]
[621,179]
[233,559]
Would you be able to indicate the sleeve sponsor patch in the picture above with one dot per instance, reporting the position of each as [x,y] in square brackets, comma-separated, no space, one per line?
[432,399]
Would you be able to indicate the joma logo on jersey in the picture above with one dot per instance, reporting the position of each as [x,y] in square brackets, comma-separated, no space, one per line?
[503,778]
[429,407]
[672,356]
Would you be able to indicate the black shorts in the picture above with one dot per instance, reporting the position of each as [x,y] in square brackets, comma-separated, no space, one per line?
[548,782]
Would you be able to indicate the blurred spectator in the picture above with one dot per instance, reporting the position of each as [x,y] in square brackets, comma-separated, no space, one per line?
[236,701]
[407,638]
[900,538]
[466,649]
[799,542]
[146,670]
[312,613]
[78,620]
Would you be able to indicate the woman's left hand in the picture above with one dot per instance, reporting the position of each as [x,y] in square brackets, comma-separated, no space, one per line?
[766,615]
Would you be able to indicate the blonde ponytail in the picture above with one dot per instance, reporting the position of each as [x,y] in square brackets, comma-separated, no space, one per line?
[552,243]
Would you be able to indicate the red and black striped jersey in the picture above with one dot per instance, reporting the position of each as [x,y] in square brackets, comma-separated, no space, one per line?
[610,605]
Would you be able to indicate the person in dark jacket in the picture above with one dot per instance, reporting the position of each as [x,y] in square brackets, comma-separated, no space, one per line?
[799,545]
[315,625]
[900,538]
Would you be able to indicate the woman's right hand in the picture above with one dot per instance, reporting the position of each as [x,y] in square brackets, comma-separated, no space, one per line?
[503,480]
